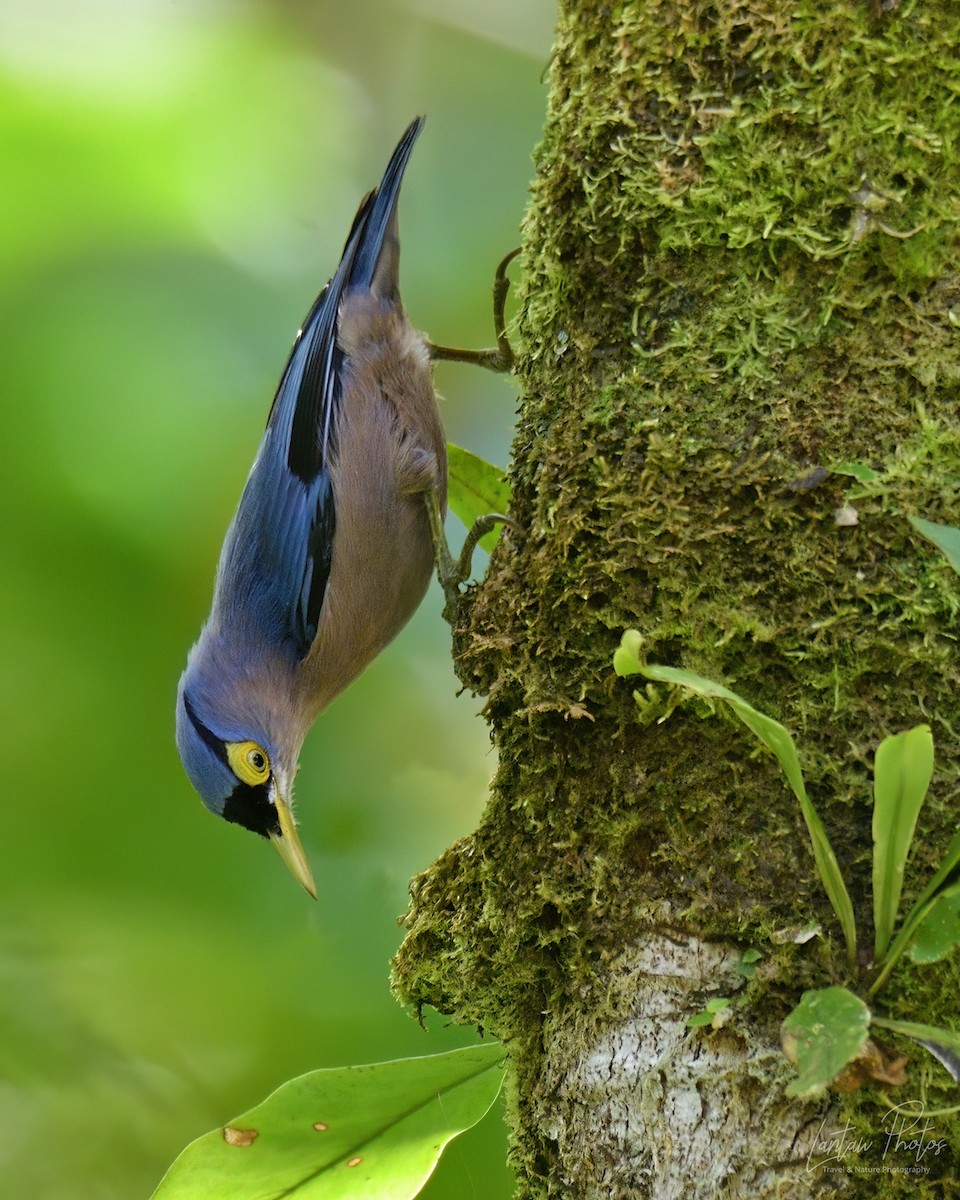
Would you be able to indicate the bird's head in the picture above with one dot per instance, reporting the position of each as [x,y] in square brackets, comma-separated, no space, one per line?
[241,772]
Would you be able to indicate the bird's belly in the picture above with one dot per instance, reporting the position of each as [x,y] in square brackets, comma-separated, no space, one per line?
[383,550]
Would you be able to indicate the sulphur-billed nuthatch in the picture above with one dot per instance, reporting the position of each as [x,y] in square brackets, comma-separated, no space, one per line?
[333,543]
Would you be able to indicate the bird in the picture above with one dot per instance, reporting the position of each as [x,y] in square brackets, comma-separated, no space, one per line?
[335,538]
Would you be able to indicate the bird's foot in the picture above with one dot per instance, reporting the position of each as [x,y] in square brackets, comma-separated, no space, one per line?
[500,357]
[453,572]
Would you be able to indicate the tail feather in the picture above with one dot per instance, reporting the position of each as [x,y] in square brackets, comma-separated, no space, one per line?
[305,407]
[372,251]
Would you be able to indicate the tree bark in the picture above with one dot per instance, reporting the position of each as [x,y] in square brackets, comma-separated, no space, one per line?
[740,270]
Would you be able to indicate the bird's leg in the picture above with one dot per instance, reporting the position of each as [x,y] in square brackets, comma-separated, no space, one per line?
[480,527]
[501,357]
[452,572]
[446,567]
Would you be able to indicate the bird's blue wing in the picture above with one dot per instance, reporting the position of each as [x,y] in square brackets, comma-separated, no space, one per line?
[278,554]
[277,559]
[301,429]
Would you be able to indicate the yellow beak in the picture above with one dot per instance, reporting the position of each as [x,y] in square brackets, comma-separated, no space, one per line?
[288,845]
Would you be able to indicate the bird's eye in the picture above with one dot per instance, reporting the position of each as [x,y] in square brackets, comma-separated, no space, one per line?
[250,762]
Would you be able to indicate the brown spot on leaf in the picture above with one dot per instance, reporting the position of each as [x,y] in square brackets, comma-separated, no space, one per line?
[240,1137]
[320,1126]
[873,1064]
[355,1162]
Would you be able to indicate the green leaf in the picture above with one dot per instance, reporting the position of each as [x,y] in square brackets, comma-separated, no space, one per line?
[826,1030]
[902,771]
[747,966]
[939,930]
[775,737]
[709,1012]
[943,1044]
[373,1131]
[945,537]
[859,471]
[475,488]
[626,657]
[946,875]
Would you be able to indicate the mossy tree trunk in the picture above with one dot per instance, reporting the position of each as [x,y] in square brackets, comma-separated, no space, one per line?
[740,266]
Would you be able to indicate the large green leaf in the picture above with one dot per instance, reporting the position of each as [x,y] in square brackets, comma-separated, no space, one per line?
[826,1030]
[775,737]
[373,1131]
[475,488]
[945,537]
[902,771]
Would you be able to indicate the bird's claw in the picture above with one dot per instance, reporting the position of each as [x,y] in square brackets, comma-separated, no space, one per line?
[500,357]
[454,572]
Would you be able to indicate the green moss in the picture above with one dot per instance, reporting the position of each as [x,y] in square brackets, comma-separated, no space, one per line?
[741,262]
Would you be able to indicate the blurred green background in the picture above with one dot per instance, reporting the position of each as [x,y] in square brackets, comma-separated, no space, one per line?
[177,182]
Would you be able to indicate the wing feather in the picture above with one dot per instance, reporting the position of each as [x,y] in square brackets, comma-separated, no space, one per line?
[280,549]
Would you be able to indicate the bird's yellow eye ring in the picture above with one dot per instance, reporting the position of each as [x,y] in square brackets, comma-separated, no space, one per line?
[250,762]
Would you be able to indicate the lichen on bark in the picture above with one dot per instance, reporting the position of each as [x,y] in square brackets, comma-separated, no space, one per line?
[740,265]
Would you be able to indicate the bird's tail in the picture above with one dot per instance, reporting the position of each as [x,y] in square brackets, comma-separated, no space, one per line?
[371,256]
[309,393]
